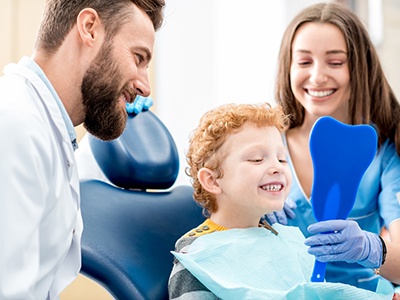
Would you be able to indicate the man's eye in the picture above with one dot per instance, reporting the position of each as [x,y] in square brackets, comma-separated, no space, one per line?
[140,58]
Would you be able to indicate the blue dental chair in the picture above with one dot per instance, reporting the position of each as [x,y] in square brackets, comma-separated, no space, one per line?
[132,224]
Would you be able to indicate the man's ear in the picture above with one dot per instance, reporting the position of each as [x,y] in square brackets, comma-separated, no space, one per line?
[89,26]
[208,179]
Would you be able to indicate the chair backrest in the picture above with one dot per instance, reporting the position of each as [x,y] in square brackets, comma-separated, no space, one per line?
[129,231]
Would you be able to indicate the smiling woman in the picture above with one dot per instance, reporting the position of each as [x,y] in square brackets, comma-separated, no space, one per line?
[328,66]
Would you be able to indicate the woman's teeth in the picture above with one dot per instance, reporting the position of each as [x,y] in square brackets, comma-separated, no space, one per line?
[320,94]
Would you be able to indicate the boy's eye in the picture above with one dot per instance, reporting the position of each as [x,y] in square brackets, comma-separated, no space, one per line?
[255,159]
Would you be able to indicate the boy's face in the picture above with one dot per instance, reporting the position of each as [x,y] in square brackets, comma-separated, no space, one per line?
[256,177]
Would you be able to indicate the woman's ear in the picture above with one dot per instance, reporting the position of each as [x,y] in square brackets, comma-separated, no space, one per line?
[208,179]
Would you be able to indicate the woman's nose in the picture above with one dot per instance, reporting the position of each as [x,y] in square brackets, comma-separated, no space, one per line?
[318,75]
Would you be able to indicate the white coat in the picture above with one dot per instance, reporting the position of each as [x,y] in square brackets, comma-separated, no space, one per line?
[40,218]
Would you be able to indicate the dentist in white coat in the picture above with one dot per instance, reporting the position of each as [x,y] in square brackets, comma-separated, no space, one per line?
[90,58]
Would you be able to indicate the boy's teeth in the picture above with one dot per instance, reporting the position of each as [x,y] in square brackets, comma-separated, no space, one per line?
[272,187]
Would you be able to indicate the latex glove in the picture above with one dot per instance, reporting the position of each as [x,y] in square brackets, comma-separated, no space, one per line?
[140,104]
[344,240]
[281,216]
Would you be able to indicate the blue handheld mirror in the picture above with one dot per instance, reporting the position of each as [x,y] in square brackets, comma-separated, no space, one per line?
[340,155]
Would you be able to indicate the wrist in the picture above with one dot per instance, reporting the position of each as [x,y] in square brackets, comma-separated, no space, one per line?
[375,251]
[384,250]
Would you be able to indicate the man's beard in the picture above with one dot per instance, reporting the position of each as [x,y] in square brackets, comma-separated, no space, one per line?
[104,118]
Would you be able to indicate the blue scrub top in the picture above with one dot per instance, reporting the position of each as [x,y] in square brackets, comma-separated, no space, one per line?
[376,205]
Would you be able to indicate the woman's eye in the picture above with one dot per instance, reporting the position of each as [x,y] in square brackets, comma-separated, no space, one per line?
[304,62]
[336,63]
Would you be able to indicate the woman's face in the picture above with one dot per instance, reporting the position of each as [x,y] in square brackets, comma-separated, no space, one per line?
[319,71]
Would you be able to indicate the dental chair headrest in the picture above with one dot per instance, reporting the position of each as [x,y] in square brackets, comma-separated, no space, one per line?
[143,157]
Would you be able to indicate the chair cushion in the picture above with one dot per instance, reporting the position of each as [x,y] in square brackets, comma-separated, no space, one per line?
[143,157]
[128,236]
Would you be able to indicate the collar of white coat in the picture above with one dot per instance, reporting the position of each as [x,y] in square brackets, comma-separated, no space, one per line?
[34,67]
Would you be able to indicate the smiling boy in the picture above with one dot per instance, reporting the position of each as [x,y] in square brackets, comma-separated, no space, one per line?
[237,162]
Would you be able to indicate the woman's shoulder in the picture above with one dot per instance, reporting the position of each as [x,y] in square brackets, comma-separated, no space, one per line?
[387,153]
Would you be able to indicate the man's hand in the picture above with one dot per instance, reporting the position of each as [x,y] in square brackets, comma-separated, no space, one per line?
[140,104]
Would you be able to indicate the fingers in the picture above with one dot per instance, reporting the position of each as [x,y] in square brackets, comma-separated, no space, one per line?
[138,104]
[348,252]
[290,203]
[129,108]
[281,217]
[289,208]
[289,212]
[141,103]
[325,239]
[327,226]
[148,102]
[329,258]
[271,218]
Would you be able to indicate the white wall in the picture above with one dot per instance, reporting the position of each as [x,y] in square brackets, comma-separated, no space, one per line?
[19,22]
[211,52]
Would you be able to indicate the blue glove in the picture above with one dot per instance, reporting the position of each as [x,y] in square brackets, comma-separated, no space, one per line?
[281,216]
[140,104]
[343,240]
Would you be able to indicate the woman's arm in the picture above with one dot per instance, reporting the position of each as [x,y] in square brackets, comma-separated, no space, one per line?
[391,268]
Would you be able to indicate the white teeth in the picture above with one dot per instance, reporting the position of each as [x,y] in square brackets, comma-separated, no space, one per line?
[272,187]
[320,94]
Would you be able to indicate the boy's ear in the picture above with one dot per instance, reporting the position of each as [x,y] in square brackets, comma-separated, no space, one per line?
[208,179]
